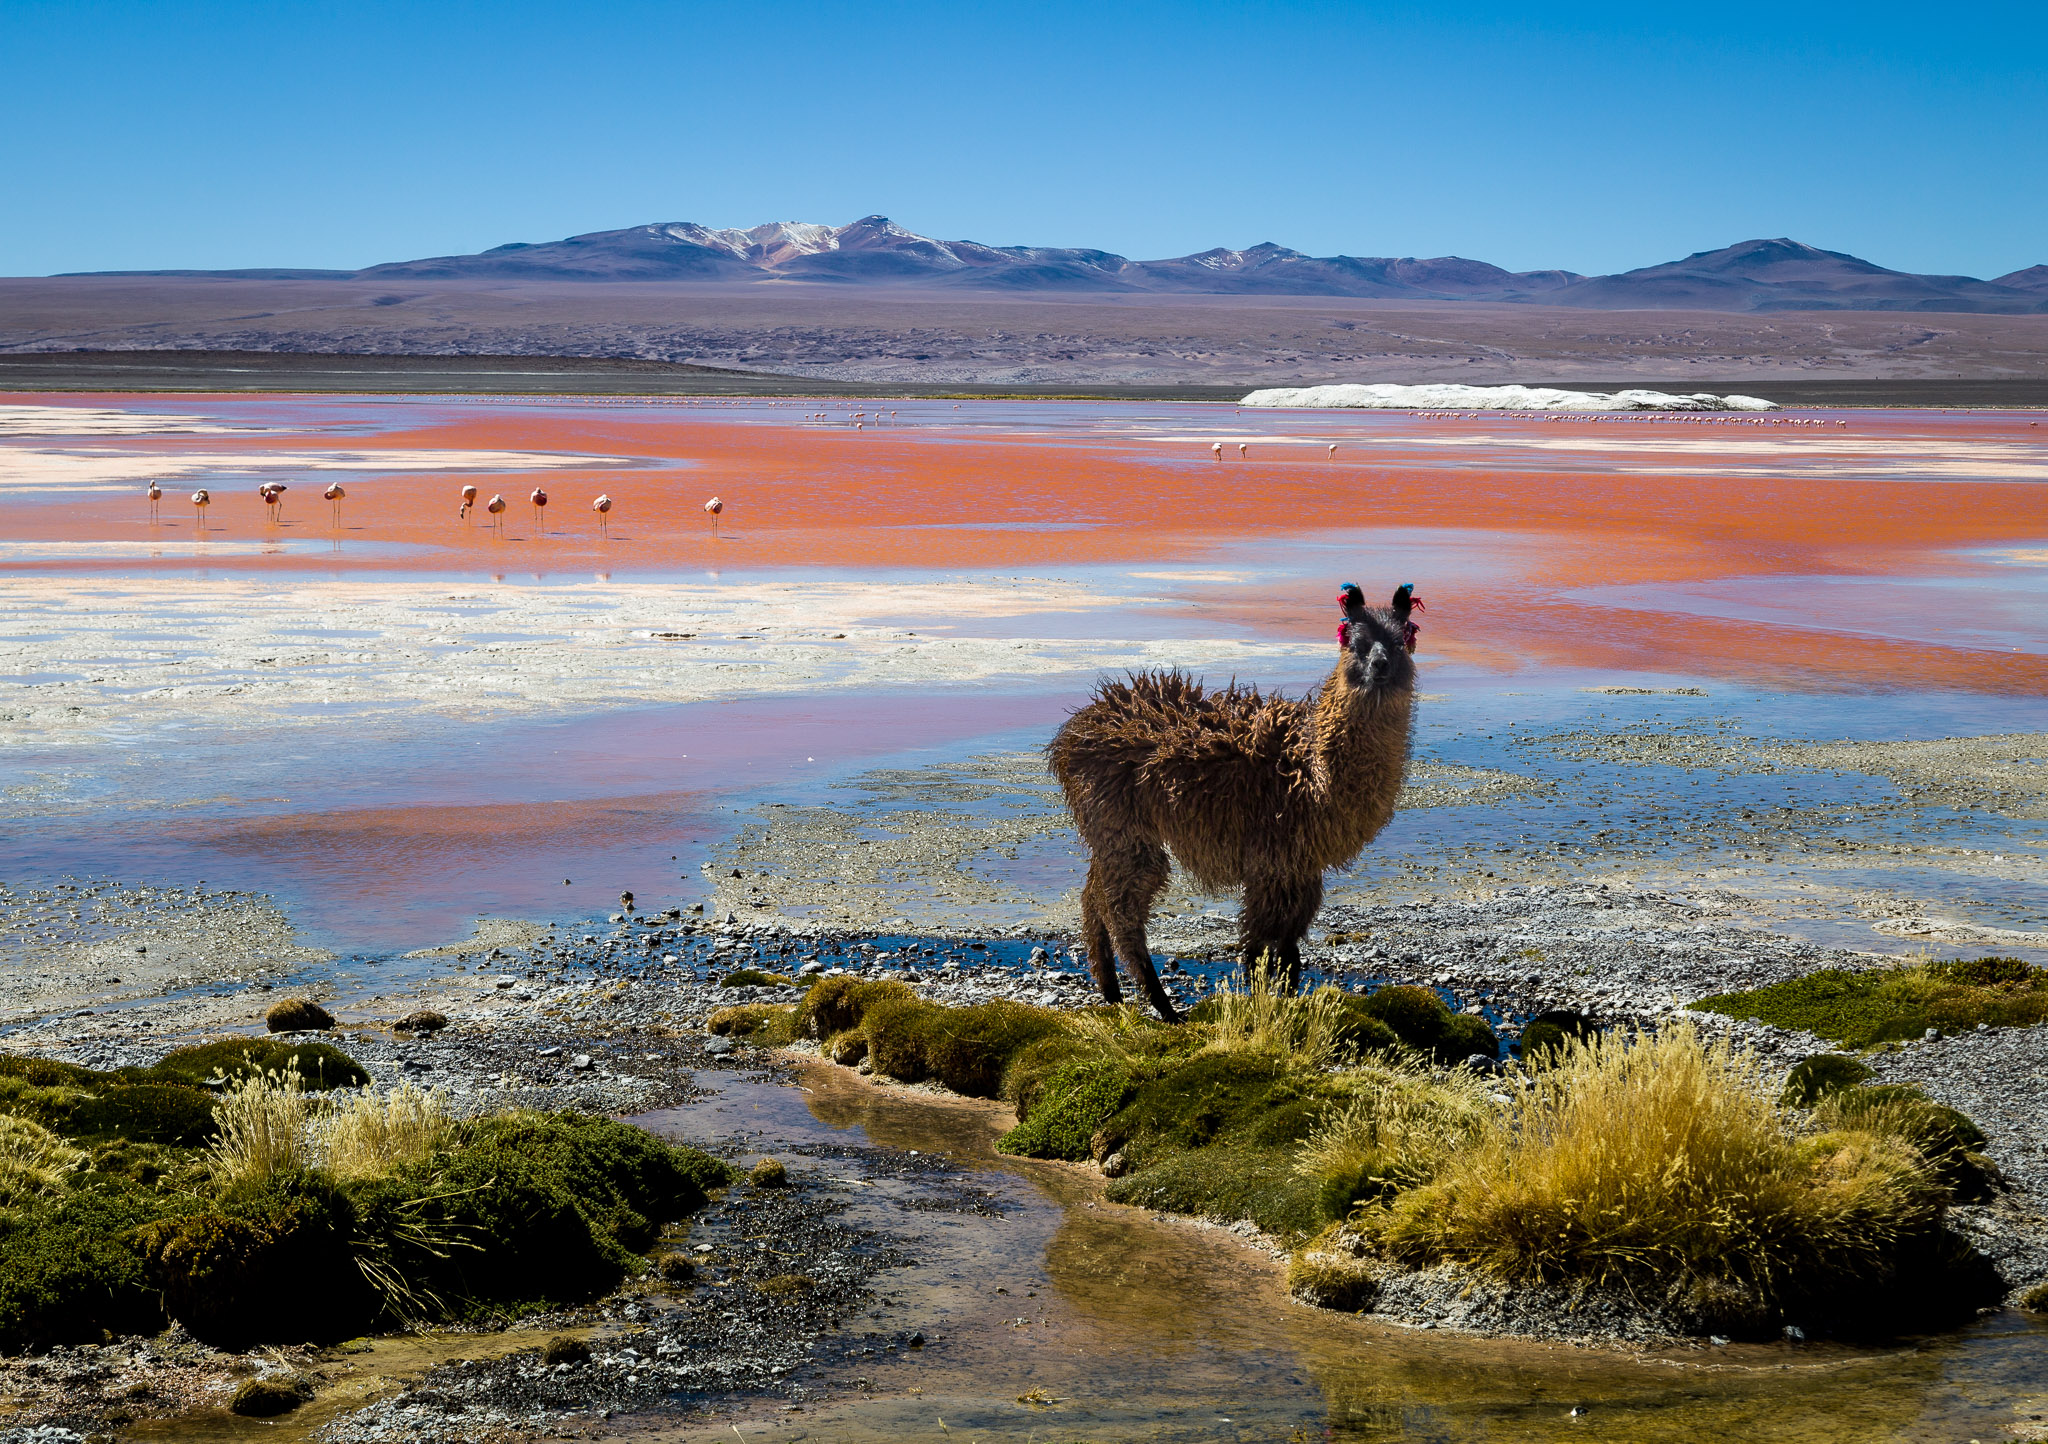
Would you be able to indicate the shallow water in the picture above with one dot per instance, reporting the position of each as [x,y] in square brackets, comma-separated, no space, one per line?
[1142,1327]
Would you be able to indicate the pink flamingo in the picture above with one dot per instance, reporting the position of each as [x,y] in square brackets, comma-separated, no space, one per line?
[156,496]
[496,507]
[603,507]
[200,502]
[714,506]
[468,501]
[334,494]
[540,501]
[1216,450]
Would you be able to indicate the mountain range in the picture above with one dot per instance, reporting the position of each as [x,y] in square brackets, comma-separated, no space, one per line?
[1756,275]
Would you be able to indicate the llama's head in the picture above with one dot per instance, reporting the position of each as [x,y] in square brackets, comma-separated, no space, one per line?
[1378,641]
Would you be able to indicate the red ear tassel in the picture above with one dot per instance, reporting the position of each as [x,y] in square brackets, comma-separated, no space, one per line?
[1409,632]
[1343,634]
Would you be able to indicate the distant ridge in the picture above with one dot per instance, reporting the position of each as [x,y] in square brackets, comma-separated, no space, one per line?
[1755,275]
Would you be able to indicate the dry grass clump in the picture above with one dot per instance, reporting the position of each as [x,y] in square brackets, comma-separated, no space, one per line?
[1660,1159]
[267,1126]
[1400,1130]
[1264,1016]
[33,1161]
[262,1129]
[373,1135]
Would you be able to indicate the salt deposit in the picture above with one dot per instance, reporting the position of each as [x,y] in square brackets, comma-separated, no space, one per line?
[1385,397]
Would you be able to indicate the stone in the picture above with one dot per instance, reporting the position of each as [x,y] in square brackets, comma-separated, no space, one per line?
[719,1047]
[580,1062]
[422,1020]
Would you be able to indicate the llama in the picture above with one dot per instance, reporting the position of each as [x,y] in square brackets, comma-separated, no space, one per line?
[1250,791]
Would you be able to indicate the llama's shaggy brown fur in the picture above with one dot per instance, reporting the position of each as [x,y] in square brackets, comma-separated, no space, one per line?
[1263,793]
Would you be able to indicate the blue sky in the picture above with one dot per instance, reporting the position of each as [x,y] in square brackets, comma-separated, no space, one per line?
[1586,136]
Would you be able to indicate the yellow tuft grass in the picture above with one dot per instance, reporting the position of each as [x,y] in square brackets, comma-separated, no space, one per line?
[375,1133]
[1660,1158]
[1263,1016]
[1400,1129]
[33,1161]
[262,1129]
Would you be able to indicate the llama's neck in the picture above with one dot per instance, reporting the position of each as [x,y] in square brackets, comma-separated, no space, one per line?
[1359,735]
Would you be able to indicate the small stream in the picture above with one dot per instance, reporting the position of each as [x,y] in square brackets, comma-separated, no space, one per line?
[1134,1326]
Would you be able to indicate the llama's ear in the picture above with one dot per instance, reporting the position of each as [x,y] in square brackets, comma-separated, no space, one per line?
[1404,598]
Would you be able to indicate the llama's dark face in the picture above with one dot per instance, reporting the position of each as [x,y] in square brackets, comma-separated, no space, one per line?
[1378,642]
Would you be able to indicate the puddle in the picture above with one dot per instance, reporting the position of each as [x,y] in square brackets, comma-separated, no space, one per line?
[383,1369]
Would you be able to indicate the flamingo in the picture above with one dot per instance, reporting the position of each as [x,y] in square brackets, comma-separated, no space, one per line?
[496,507]
[334,494]
[714,506]
[468,501]
[603,507]
[156,495]
[200,502]
[1333,451]
[1216,450]
[1241,450]
[540,501]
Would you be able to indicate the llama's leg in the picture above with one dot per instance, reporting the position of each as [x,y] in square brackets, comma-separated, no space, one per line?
[1095,937]
[1276,916]
[1137,876]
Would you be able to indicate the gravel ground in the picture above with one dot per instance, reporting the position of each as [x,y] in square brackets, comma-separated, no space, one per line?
[777,1281]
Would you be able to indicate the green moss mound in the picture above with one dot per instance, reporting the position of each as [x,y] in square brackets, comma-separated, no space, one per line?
[1881,1005]
[169,1103]
[1363,1033]
[265,1263]
[70,1268]
[48,1072]
[1423,1021]
[755,978]
[766,1024]
[1069,1108]
[967,1049]
[514,1209]
[1988,972]
[1947,1138]
[145,1113]
[837,1005]
[1824,1073]
[320,1065]
[1229,1182]
[1544,1035]
[1417,1016]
